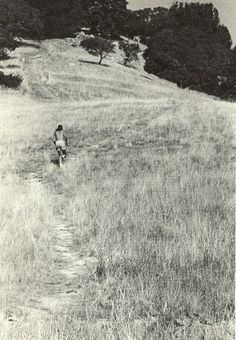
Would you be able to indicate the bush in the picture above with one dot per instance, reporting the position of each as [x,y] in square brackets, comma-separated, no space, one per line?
[98,47]
[10,80]
[131,51]
[6,40]
[4,54]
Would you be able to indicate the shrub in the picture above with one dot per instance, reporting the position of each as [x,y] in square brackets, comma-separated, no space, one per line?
[4,54]
[131,51]
[10,80]
[6,40]
[98,47]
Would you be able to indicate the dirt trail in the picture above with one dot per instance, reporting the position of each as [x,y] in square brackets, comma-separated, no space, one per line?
[63,290]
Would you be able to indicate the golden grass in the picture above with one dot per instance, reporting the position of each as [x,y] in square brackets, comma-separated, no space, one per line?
[149,186]
[25,222]
[159,217]
[26,219]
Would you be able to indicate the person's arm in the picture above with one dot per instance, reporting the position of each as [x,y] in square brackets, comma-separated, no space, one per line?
[54,137]
[65,138]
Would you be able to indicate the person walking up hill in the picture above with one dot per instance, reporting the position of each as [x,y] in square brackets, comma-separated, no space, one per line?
[60,140]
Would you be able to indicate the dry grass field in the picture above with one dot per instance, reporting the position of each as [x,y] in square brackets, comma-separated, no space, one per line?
[134,237]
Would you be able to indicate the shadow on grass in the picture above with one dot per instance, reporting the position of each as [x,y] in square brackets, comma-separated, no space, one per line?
[146,77]
[128,66]
[5,58]
[13,66]
[92,62]
[9,67]
[55,162]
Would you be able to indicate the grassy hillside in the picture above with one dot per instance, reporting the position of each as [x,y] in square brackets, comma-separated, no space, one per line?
[147,192]
[59,71]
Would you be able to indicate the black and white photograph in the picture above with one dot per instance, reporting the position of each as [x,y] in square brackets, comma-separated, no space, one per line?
[117,169]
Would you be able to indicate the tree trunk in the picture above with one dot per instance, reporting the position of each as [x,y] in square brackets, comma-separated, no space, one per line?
[101,58]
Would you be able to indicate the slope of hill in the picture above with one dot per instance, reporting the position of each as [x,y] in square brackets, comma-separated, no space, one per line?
[133,237]
[59,71]
[186,43]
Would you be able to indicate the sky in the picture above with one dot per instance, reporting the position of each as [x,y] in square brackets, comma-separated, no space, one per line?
[227,10]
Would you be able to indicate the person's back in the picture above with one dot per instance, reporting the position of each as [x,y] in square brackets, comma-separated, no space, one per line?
[59,135]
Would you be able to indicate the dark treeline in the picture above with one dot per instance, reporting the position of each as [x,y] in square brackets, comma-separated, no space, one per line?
[186,44]
[189,46]
[42,19]
[62,18]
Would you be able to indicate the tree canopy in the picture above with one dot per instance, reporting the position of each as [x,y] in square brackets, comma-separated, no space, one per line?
[131,51]
[98,47]
[193,50]
[105,17]
[64,17]
[18,18]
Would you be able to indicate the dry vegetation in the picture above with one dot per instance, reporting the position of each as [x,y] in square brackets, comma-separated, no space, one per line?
[149,188]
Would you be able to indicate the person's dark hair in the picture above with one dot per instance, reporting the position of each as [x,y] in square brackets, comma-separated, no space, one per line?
[60,127]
